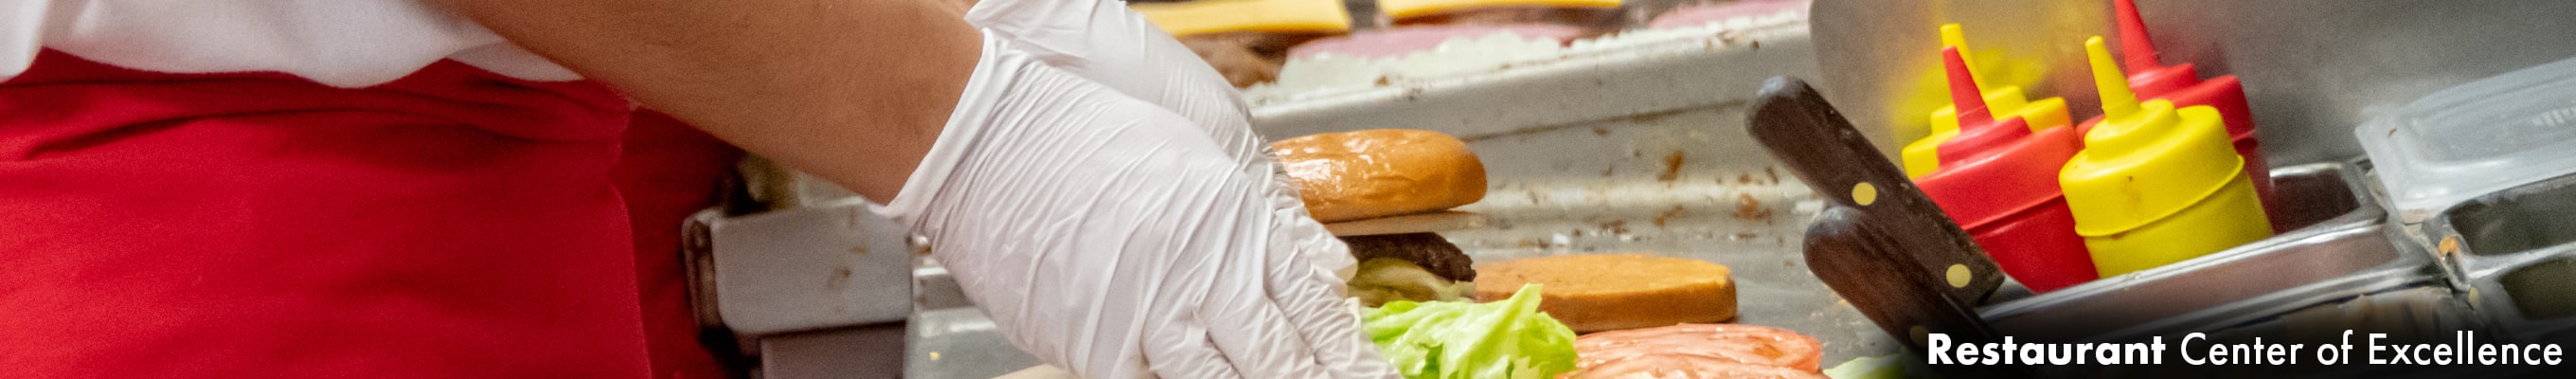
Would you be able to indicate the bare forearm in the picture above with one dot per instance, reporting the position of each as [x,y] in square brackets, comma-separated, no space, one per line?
[852,90]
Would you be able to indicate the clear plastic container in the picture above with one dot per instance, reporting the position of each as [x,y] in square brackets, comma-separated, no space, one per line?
[2476,138]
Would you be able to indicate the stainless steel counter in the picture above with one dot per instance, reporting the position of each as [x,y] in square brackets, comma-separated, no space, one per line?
[1639,150]
[959,343]
[1642,149]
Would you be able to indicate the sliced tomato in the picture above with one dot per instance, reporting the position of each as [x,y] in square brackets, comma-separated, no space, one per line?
[1700,343]
[1686,367]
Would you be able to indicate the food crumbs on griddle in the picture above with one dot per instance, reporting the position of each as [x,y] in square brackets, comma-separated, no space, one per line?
[1749,209]
[1601,131]
[840,279]
[1649,118]
[1773,173]
[1744,178]
[1672,167]
[1667,214]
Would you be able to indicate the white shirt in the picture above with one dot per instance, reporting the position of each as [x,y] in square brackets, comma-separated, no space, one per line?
[345,43]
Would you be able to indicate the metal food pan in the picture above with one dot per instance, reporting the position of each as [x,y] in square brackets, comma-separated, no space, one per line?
[2342,251]
[2415,314]
[2516,250]
[2510,227]
[2530,299]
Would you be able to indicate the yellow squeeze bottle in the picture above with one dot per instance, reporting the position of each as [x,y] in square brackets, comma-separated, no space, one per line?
[2156,185]
[2006,102]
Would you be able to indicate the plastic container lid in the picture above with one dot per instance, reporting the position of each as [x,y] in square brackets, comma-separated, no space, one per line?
[2476,138]
[2146,160]
[1921,156]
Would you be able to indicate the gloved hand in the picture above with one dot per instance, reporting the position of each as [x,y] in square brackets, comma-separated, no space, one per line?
[1116,238]
[1105,42]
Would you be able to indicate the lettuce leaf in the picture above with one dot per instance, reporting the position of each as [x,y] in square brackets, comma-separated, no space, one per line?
[1502,339]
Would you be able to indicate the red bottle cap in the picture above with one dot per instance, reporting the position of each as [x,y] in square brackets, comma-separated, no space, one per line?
[1979,131]
[2151,79]
[2147,73]
[2182,85]
[1994,168]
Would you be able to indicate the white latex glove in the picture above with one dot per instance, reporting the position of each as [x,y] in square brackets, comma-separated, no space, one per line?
[1116,238]
[1105,42]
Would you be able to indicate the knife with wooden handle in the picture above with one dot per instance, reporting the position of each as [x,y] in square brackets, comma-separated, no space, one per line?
[1817,144]
[1865,266]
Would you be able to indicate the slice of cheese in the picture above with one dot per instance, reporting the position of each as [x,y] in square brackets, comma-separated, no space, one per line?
[1211,16]
[1409,8]
[1593,293]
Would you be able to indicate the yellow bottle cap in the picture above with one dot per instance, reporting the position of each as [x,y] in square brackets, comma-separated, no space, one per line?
[1401,9]
[2146,160]
[1211,16]
[1922,157]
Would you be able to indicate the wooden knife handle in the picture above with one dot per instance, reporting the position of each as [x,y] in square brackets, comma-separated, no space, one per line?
[1814,141]
[1875,275]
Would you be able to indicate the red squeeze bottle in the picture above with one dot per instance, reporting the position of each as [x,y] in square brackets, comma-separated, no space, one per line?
[1998,179]
[2180,84]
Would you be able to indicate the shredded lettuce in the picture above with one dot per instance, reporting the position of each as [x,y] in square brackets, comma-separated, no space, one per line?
[1502,339]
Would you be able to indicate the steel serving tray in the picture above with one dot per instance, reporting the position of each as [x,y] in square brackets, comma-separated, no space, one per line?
[2515,250]
[2339,250]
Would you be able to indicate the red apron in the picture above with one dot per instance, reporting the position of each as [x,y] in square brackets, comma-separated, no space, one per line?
[451,224]
[670,171]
